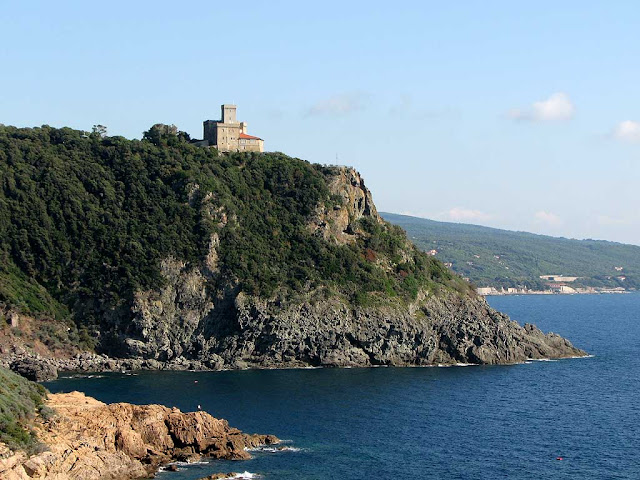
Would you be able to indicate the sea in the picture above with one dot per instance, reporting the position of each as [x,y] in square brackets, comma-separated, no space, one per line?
[565,419]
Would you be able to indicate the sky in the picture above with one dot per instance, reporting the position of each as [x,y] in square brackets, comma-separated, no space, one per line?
[517,115]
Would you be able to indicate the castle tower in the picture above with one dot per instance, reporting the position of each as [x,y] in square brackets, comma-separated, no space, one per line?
[229,135]
[228,113]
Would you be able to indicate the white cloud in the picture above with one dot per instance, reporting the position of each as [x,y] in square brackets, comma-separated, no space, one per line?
[547,218]
[341,104]
[460,214]
[628,131]
[557,107]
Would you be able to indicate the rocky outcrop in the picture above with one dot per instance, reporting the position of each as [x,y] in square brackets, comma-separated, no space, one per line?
[353,200]
[33,369]
[200,320]
[197,318]
[181,305]
[89,440]
[90,362]
[436,330]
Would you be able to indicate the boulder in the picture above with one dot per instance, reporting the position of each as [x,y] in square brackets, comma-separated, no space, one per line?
[37,370]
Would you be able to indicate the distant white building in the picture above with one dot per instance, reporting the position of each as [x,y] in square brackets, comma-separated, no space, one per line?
[558,278]
[559,288]
[486,291]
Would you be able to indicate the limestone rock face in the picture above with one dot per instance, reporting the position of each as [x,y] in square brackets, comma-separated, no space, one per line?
[167,319]
[338,224]
[89,440]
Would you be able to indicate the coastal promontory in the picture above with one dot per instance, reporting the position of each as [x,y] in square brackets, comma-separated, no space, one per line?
[157,253]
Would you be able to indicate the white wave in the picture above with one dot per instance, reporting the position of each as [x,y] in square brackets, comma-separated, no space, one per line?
[270,449]
[246,475]
[291,449]
[165,468]
[186,464]
[529,360]
[243,475]
[282,449]
[449,365]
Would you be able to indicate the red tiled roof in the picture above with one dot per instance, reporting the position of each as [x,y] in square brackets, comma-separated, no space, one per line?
[250,137]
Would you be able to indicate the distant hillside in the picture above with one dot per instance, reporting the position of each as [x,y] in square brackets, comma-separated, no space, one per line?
[502,258]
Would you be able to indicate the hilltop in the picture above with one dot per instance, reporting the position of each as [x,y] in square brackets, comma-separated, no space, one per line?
[162,251]
[502,258]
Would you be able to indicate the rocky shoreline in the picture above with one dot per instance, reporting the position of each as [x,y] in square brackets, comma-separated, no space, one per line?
[435,331]
[39,368]
[459,338]
[88,440]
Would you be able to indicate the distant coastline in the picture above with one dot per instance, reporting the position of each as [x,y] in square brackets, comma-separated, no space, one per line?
[495,292]
[490,257]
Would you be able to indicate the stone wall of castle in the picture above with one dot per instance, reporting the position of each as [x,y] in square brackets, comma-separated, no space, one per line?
[226,135]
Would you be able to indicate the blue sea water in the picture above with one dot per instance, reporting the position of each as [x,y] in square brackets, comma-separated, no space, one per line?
[432,423]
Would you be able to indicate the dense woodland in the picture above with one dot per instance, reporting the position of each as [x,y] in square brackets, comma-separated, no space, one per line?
[85,220]
[501,258]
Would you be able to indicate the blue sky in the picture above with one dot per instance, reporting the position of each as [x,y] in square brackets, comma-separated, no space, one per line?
[519,115]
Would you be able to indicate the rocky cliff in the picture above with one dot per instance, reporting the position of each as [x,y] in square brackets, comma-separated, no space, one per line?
[88,440]
[233,329]
[171,256]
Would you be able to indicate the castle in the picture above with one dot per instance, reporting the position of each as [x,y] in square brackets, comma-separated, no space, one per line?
[229,135]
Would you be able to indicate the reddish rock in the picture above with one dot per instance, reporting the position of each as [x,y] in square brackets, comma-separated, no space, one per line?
[89,440]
